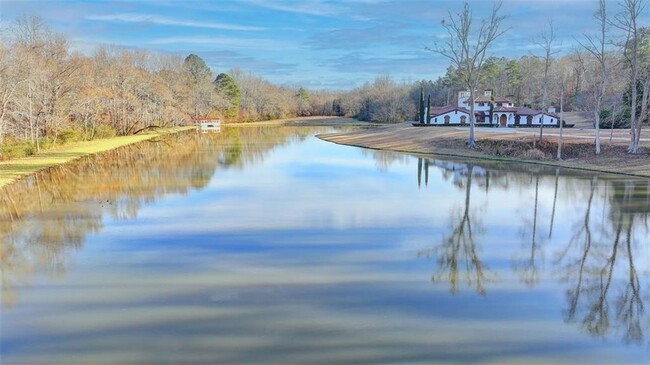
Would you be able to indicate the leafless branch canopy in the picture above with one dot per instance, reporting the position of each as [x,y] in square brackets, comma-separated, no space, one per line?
[465,49]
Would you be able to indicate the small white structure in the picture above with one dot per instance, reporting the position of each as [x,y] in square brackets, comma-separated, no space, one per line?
[205,125]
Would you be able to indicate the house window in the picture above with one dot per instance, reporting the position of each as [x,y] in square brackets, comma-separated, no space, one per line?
[499,104]
[517,119]
[463,119]
[455,111]
[540,120]
[481,104]
[447,119]
[435,120]
[529,120]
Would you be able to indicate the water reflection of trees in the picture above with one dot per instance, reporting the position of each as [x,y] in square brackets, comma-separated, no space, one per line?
[457,255]
[45,218]
[600,264]
[596,254]
[385,159]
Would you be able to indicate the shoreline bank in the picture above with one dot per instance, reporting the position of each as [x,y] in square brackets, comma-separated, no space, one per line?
[18,168]
[505,145]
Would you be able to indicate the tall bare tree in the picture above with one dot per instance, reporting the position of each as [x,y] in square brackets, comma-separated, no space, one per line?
[627,21]
[596,46]
[466,48]
[546,41]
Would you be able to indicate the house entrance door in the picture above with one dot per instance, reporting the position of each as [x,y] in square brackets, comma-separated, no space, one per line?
[503,120]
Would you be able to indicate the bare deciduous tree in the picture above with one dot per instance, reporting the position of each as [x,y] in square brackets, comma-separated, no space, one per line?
[596,46]
[466,48]
[546,40]
[627,21]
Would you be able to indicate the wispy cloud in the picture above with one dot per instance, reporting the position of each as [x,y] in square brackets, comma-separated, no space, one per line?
[421,64]
[162,20]
[230,59]
[367,37]
[318,8]
[234,42]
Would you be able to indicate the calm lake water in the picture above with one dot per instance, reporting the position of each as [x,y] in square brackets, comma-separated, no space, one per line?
[270,246]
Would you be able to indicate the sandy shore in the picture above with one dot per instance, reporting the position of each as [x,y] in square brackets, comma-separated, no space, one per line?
[508,144]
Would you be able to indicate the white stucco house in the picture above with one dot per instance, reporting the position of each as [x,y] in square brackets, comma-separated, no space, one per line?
[449,115]
[504,113]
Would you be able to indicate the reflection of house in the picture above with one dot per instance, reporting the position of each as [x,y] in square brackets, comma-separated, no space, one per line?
[504,113]
[206,125]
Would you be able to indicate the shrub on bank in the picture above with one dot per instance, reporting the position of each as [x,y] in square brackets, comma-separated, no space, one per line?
[12,148]
[70,135]
[104,131]
[534,154]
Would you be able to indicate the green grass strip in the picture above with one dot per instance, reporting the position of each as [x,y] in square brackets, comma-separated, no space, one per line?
[12,170]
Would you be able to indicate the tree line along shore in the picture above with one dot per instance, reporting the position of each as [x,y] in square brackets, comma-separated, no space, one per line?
[51,95]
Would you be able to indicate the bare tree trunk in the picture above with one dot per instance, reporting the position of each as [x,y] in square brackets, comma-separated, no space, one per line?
[31,111]
[559,142]
[597,122]
[611,130]
[546,42]
[471,142]
[627,22]
[644,109]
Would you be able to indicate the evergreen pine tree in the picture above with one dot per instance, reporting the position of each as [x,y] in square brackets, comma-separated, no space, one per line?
[421,104]
[429,109]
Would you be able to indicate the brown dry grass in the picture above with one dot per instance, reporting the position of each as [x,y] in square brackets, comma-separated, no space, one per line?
[509,144]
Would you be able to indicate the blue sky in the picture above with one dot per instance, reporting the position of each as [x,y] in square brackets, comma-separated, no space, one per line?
[318,43]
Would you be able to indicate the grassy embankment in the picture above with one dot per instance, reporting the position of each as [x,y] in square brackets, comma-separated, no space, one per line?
[507,145]
[15,169]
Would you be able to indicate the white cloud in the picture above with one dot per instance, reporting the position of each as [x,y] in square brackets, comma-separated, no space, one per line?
[306,8]
[233,42]
[162,20]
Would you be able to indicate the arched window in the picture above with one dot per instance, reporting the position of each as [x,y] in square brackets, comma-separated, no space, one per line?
[529,120]
[463,119]
[447,119]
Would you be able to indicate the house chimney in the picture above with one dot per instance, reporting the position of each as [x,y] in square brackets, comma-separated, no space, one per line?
[463,97]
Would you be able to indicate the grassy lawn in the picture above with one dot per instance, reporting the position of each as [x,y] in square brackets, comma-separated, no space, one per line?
[12,170]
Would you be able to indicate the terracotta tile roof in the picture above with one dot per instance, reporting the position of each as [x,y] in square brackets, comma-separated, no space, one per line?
[505,109]
[446,109]
[527,111]
[487,99]
[522,111]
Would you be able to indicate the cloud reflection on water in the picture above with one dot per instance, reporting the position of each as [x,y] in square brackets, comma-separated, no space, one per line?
[267,258]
